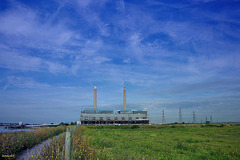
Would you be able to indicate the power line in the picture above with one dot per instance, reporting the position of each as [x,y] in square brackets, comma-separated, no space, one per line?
[163,118]
[180,115]
[194,117]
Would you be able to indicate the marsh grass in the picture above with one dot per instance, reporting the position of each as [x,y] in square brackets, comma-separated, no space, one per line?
[53,150]
[56,149]
[12,143]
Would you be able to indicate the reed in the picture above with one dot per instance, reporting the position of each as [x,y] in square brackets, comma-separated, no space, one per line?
[14,142]
[80,149]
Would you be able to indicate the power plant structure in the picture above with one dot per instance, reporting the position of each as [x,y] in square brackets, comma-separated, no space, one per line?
[107,116]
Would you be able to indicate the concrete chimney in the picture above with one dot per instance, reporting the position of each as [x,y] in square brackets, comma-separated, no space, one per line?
[95,97]
[124,98]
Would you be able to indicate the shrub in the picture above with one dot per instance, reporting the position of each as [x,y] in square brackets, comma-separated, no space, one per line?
[135,126]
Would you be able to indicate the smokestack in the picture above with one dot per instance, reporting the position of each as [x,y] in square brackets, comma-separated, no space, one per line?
[124,98]
[95,97]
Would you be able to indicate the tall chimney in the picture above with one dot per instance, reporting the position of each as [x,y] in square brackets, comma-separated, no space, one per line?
[95,97]
[124,98]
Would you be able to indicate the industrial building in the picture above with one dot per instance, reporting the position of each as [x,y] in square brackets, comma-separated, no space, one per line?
[104,116]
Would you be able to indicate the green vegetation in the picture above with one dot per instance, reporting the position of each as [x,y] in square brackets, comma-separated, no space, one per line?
[12,143]
[66,124]
[176,141]
[56,148]
[180,141]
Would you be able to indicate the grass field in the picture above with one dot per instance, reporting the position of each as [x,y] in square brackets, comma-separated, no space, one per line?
[183,141]
[220,141]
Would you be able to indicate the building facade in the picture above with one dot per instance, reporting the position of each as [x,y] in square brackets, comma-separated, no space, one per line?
[98,116]
[103,116]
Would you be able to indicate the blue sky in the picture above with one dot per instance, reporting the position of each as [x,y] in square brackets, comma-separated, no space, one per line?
[168,54]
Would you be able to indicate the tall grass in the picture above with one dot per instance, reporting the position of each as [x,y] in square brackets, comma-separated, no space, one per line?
[175,142]
[12,143]
[53,150]
[56,149]
[182,141]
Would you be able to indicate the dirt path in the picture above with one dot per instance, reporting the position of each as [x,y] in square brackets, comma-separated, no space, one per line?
[34,150]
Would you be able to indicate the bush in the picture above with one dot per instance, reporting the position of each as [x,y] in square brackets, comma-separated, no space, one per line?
[135,126]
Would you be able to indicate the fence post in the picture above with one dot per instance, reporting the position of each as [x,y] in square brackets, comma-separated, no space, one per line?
[68,144]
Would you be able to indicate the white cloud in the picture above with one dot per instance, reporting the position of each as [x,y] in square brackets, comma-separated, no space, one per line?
[25,27]
[23,82]
[56,67]
[100,60]
[92,17]
[15,61]
[91,48]
[120,6]
[84,3]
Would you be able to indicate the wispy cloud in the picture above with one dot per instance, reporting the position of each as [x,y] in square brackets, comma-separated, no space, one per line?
[23,82]
[16,61]
[166,54]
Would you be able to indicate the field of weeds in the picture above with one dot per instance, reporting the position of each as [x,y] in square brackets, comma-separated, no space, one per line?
[182,141]
[176,142]
[13,142]
[56,149]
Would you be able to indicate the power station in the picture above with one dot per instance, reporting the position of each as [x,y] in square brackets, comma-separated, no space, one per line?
[105,117]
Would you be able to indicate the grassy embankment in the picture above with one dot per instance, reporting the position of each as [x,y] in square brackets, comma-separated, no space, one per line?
[220,141]
[13,142]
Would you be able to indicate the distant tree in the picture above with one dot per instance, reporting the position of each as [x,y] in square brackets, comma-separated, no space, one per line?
[73,123]
[63,124]
[135,127]
[207,122]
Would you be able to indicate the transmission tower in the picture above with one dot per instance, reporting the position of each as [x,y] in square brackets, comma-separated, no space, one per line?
[163,118]
[211,118]
[180,115]
[194,117]
[206,118]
